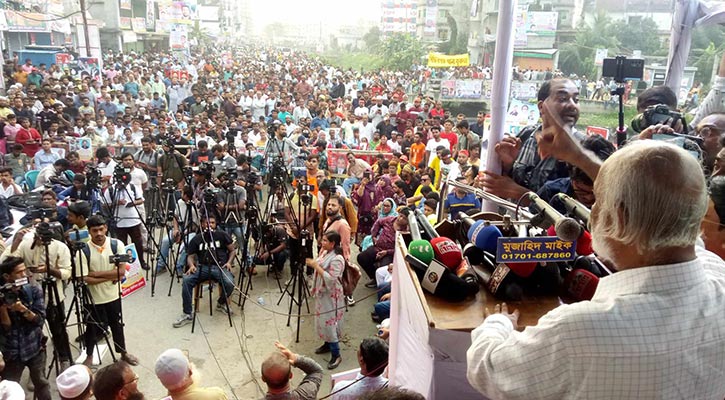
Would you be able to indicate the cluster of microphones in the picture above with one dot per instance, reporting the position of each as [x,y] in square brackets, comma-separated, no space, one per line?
[455,267]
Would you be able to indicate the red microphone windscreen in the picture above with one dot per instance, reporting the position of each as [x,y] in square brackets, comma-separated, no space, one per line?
[551,231]
[584,244]
[522,269]
[447,252]
[580,285]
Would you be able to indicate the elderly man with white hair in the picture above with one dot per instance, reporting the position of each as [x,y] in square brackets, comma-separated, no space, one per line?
[655,329]
[180,378]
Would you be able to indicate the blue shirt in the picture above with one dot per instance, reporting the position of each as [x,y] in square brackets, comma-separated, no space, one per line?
[321,122]
[43,159]
[454,204]
[24,339]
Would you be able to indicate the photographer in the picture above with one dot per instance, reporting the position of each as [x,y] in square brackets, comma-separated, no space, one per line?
[280,147]
[275,244]
[231,202]
[210,256]
[78,191]
[103,280]
[170,165]
[121,202]
[222,161]
[183,231]
[32,251]
[78,214]
[50,173]
[201,155]
[22,313]
[200,183]
[301,219]
[147,158]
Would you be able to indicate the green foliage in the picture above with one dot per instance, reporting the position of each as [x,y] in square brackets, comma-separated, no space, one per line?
[372,38]
[577,57]
[400,51]
[708,42]
[359,61]
[636,34]
[619,37]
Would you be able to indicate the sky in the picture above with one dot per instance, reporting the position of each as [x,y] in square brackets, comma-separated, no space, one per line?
[334,12]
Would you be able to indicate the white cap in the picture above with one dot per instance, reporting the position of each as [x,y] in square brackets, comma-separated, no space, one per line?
[172,367]
[73,381]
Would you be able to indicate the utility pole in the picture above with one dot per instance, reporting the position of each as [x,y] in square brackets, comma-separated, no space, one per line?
[85,28]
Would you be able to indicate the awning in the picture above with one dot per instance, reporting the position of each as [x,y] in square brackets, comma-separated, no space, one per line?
[543,53]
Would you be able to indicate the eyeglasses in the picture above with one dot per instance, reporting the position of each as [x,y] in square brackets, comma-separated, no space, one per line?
[424,179]
[135,379]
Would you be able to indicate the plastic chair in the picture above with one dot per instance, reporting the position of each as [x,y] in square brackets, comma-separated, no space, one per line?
[30,178]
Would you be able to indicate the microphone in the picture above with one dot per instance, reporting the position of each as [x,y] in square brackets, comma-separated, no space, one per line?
[425,225]
[574,208]
[583,242]
[440,281]
[485,238]
[419,248]
[498,279]
[579,285]
[566,228]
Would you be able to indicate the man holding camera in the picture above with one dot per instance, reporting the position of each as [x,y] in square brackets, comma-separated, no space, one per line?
[22,313]
[170,165]
[210,256]
[57,265]
[123,200]
[102,273]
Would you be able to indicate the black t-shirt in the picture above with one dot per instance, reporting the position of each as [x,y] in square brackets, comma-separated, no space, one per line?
[202,245]
[198,156]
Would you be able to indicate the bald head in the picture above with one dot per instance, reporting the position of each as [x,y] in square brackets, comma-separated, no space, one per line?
[650,196]
[276,371]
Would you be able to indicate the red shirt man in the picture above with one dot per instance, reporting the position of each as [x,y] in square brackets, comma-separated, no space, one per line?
[28,137]
[448,134]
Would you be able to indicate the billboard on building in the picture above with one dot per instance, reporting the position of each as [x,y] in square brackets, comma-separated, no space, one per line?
[399,16]
[431,17]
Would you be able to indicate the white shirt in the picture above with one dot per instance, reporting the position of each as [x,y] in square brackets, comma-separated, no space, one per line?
[10,190]
[107,169]
[712,103]
[365,385]
[10,390]
[127,216]
[362,111]
[648,333]
[432,144]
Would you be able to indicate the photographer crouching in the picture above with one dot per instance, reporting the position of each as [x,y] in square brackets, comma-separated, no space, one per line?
[22,313]
[52,269]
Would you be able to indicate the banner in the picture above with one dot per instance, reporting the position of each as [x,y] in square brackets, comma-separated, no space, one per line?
[26,22]
[542,23]
[520,114]
[178,12]
[523,90]
[125,4]
[443,60]
[431,18]
[139,24]
[150,15]
[178,40]
[600,55]
[462,89]
[520,38]
[133,280]
[124,23]
[178,74]
[399,16]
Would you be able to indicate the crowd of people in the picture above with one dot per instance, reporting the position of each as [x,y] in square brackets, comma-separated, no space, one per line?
[341,156]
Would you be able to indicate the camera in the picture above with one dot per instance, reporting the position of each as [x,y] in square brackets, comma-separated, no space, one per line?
[307,188]
[121,174]
[48,230]
[210,195]
[93,177]
[119,258]
[168,186]
[7,294]
[368,175]
[656,114]
[39,212]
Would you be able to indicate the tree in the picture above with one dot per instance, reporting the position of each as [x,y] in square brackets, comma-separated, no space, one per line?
[372,38]
[636,34]
[400,51]
[577,56]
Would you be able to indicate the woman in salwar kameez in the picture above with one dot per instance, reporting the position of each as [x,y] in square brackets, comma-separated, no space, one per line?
[329,297]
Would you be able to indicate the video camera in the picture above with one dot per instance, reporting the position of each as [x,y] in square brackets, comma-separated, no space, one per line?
[210,194]
[122,175]
[40,212]
[7,294]
[47,231]
[168,186]
[93,177]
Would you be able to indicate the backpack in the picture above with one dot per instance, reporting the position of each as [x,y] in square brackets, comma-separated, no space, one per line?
[87,249]
[350,277]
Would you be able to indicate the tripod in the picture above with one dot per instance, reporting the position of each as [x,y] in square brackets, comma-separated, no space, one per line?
[53,304]
[82,299]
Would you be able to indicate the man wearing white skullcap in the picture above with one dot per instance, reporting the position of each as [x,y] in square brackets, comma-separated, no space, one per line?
[75,383]
[175,372]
